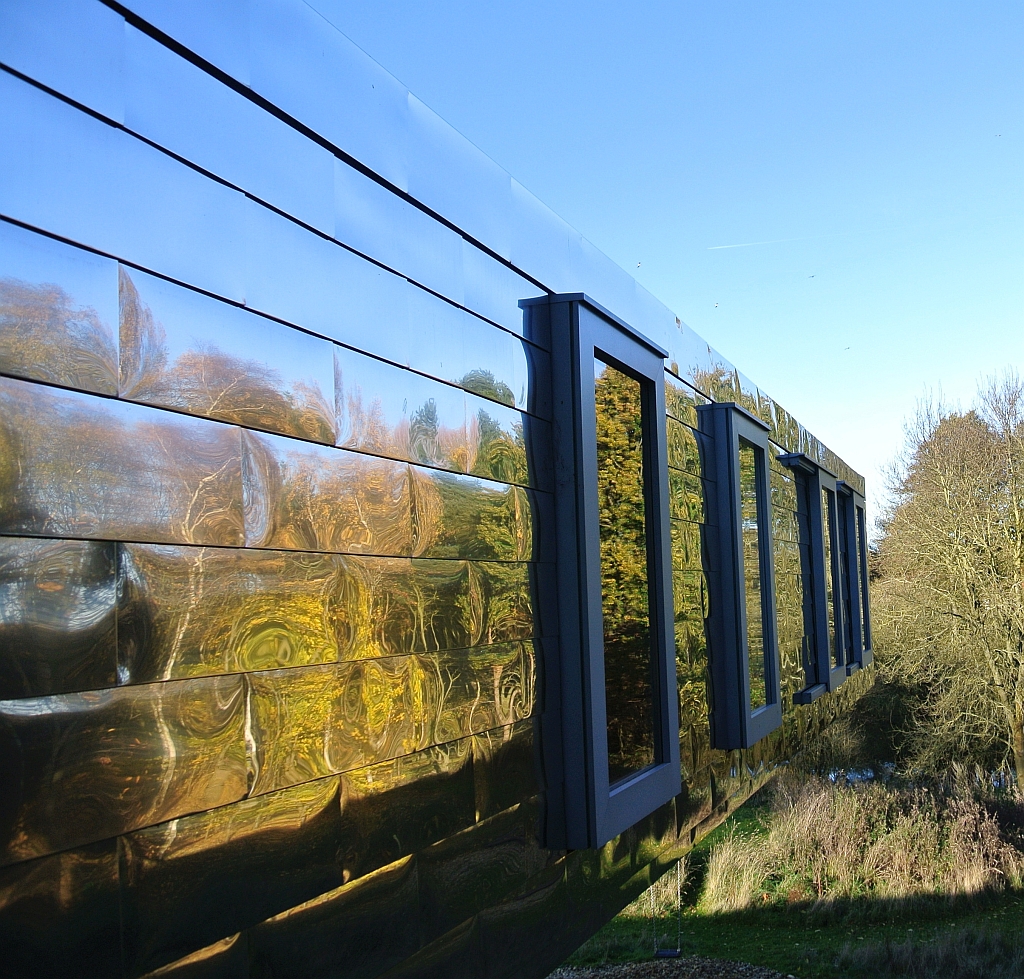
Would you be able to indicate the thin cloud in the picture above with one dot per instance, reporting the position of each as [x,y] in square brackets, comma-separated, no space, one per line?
[774,241]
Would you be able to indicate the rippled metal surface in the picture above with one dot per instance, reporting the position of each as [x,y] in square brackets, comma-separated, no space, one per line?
[385,410]
[307,497]
[188,611]
[88,766]
[73,465]
[57,312]
[314,721]
[182,350]
[359,929]
[191,881]
[58,612]
[60,915]
[400,806]
[476,869]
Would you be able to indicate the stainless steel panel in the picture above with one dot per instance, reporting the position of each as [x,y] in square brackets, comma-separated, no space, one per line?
[390,411]
[395,606]
[58,307]
[88,766]
[493,290]
[505,769]
[60,916]
[302,496]
[401,806]
[686,545]
[461,516]
[476,869]
[181,349]
[529,933]
[71,174]
[307,280]
[224,959]
[188,611]
[301,63]
[358,930]
[306,497]
[74,48]
[686,496]
[79,466]
[195,611]
[191,882]
[182,108]
[455,178]
[323,719]
[540,241]
[683,447]
[681,401]
[58,603]
[218,32]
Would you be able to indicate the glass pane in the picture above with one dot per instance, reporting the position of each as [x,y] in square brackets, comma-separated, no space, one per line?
[828,516]
[750,480]
[625,608]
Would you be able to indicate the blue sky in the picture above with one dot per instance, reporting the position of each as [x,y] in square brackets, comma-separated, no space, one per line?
[883,141]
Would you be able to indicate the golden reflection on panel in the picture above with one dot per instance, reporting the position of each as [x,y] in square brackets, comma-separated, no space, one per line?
[686,496]
[181,349]
[683,451]
[307,497]
[188,881]
[193,611]
[74,465]
[472,518]
[319,720]
[93,765]
[60,915]
[390,411]
[686,546]
[190,611]
[56,313]
[58,601]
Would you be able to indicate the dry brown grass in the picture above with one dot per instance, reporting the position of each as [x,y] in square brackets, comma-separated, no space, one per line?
[827,843]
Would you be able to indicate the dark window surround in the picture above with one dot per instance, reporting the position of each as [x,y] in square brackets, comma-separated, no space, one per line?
[829,673]
[733,724]
[853,523]
[589,811]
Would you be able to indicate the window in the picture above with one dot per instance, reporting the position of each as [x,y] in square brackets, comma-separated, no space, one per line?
[615,663]
[827,576]
[855,561]
[742,629]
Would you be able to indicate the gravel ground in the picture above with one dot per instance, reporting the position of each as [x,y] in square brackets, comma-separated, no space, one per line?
[692,967]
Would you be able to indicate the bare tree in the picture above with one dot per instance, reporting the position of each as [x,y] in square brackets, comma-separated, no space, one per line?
[948,598]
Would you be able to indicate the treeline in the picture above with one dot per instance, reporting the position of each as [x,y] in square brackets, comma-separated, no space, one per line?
[948,593]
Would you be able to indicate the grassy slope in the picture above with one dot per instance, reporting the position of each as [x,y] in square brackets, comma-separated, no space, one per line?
[790,940]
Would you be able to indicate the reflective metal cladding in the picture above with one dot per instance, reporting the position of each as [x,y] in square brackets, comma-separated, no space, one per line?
[278,635]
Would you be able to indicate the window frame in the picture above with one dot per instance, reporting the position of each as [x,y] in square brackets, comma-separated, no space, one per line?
[733,723]
[854,529]
[829,676]
[593,810]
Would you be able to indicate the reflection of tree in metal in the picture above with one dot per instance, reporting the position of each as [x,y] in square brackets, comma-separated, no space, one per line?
[44,335]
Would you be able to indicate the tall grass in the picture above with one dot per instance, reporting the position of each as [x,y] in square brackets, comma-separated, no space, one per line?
[965,954]
[831,846]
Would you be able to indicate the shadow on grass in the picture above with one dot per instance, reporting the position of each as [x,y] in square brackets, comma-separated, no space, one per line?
[928,935]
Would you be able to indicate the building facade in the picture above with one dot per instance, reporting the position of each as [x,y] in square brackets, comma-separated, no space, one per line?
[389,584]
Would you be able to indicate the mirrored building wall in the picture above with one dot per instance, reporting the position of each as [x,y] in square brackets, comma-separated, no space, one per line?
[275,499]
